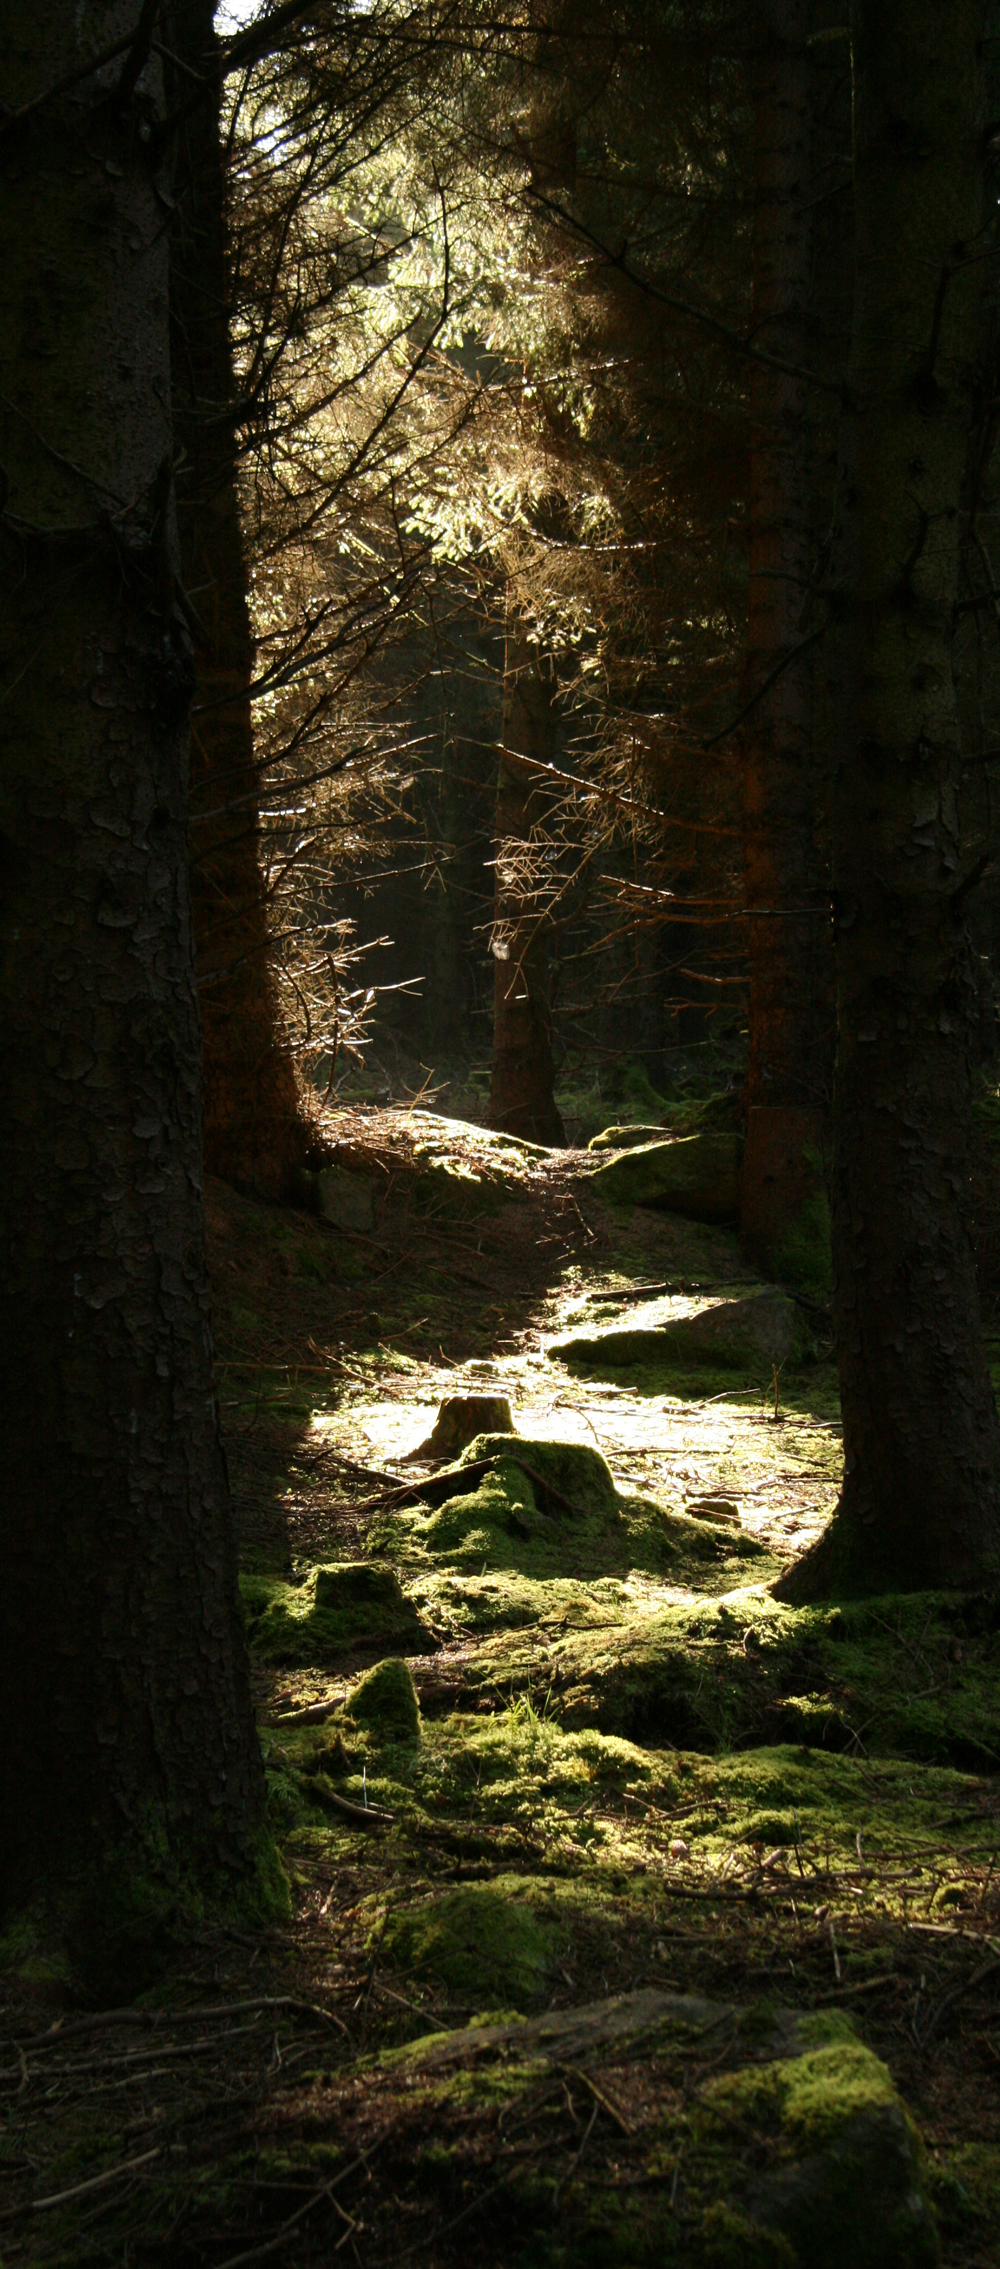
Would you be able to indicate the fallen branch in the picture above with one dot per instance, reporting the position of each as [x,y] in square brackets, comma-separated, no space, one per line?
[365,1815]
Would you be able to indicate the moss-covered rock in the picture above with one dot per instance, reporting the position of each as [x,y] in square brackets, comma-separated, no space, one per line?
[755,1333]
[350,1603]
[385,1702]
[697,1176]
[487,1940]
[346,1199]
[799,2156]
[843,2173]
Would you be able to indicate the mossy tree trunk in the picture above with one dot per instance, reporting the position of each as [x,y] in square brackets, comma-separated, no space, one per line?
[921,1496]
[791,946]
[123,1674]
[522,1099]
[255,1129]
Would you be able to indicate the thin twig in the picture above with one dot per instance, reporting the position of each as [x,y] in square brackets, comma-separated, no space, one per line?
[94,2182]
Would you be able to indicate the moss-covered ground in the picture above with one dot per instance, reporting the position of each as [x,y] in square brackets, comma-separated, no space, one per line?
[637,1918]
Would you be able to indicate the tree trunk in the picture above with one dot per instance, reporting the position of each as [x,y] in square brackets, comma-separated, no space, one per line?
[522,1101]
[791,948]
[256,1131]
[920,1504]
[130,1741]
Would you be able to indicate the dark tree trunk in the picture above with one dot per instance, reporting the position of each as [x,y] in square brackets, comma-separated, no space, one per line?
[522,1101]
[791,945]
[255,1128]
[921,1497]
[124,1678]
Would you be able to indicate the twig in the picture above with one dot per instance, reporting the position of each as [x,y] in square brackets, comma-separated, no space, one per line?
[273,2245]
[576,2073]
[365,1816]
[55,2034]
[94,2182]
[575,2160]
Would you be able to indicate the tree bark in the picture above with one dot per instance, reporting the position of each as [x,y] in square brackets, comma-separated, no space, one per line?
[522,1100]
[125,1690]
[791,947]
[256,1131]
[921,1497]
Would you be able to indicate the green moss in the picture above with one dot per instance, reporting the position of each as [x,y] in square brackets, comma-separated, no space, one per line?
[844,2179]
[544,1513]
[730,2241]
[346,1604]
[385,1701]
[483,1940]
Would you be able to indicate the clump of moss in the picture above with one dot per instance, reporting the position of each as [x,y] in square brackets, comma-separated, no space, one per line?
[347,1604]
[482,1940]
[730,2241]
[385,1702]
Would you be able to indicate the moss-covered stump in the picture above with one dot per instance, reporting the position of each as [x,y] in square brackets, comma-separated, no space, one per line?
[532,1503]
[546,1510]
[765,1329]
[697,1176]
[797,2154]
[384,1702]
[353,1603]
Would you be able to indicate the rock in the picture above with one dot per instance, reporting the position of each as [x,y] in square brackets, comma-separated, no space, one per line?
[385,1702]
[346,1200]
[460,1418]
[481,1938]
[698,1176]
[767,1328]
[624,1138]
[800,2156]
[846,2183]
[349,1604]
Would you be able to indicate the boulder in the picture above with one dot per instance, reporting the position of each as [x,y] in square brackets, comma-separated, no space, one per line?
[697,1175]
[800,2155]
[734,1334]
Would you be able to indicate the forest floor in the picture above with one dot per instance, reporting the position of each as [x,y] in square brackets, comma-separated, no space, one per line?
[651,1831]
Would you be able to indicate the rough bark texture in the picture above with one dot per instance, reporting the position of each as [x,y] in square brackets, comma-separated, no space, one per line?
[122,1666]
[255,1129]
[791,951]
[921,1497]
[522,1101]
